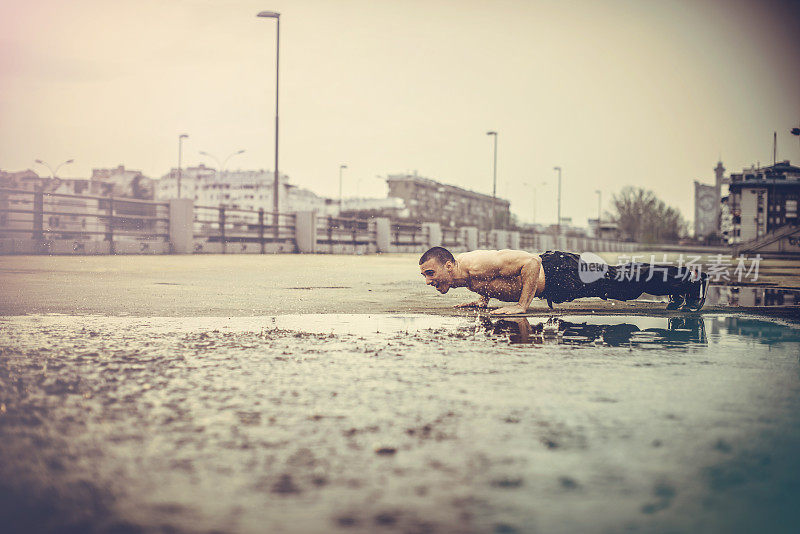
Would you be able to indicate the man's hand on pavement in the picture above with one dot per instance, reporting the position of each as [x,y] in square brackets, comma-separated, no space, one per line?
[508,310]
[475,304]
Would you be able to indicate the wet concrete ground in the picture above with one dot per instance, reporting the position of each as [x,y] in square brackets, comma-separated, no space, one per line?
[135,411]
[377,423]
[248,285]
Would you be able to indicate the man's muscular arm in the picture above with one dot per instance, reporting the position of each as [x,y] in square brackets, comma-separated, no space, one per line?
[529,275]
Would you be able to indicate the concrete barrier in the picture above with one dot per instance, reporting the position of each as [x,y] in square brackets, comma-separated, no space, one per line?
[383,234]
[305,227]
[181,225]
[434,234]
[469,237]
[138,247]
[12,245]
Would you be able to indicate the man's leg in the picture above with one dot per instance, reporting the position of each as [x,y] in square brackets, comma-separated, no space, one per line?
[629,281]
[685,288]
[624,282]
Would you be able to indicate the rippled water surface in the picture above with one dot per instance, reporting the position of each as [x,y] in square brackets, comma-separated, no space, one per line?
[402,423]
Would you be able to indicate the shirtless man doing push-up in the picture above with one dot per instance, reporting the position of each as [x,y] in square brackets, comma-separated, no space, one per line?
[516,275]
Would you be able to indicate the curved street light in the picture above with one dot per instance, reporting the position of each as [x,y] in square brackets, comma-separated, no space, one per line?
[221,166]
[54,173]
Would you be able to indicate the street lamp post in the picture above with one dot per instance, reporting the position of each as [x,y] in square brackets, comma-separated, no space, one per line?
[558,222]
[276,186]
[599,209]
[221,165]
[54,173]
[535,196]
[341,168]
[494,177]
[181,137]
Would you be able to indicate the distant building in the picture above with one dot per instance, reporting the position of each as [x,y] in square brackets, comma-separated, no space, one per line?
[449,205]
[726,220]
[605,230]
[761,200]
[116,182]
[707,205]
[245,190]
[393,208]
[68,204]
[121,182]
[26,180]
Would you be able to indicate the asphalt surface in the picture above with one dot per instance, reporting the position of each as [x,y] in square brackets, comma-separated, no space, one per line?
[338,393]
[247,285]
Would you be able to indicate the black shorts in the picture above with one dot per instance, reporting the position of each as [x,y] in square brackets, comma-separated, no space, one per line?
[563,283]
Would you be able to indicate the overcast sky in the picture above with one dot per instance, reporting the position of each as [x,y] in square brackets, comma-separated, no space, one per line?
[648,93]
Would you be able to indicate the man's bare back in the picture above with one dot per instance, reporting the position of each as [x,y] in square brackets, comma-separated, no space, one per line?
[507,275]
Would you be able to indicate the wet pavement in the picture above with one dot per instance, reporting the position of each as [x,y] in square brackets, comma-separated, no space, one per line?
[399,422]
[256,285]
[338,393]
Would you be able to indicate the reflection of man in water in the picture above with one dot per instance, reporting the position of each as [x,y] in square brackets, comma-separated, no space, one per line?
[516,275]
[680,330]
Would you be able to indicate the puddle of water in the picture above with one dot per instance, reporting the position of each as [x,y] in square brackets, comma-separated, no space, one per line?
[604,330]
[249,424]
[364,325]
[598,330]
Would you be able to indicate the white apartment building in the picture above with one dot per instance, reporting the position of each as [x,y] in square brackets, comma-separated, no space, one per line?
[245,190]
[386,206]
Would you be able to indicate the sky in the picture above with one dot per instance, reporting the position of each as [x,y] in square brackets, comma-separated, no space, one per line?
[616,93]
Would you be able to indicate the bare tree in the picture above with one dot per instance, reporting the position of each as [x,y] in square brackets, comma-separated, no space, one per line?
[643,217]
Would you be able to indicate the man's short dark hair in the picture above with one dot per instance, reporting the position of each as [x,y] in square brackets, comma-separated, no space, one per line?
[441,254]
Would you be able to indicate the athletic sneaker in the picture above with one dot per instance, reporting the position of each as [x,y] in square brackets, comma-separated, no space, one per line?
[695,302]
[675,302]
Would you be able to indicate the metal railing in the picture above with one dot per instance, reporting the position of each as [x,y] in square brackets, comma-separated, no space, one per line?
[485,240]
[528,241]
[332,231]
[408,235]
[45,217]
[225,225]
[450,238]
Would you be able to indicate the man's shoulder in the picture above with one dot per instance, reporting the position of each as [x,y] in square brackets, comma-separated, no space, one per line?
[493,256]
[517,255]
[477,254]
[482,251]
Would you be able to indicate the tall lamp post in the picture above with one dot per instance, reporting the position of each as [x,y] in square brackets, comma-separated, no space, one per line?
[494,177]
[599,209]
[276,186]
[558,222]
[341,168]
[54,173]
[221,166]
[535,195]
[181,137]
